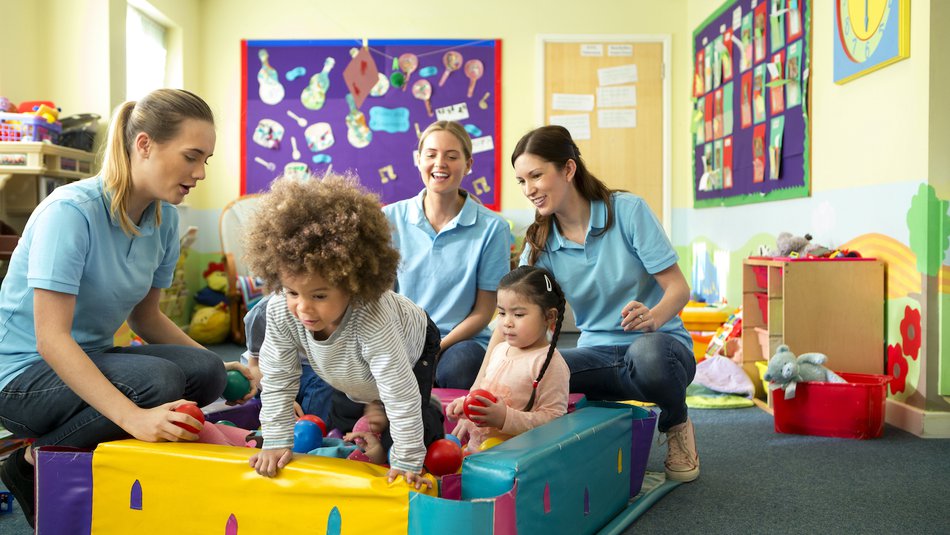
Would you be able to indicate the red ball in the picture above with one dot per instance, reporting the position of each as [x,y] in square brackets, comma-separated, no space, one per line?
[317,420]
[443,457]
[194,412]
[470,401]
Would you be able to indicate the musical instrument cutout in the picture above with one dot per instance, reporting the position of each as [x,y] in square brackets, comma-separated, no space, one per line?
[452,61]
[269,165]
[357,132]
[483,103]
[269,88]
[315,94]
[293,142]
[407,64]
[387,174]
[422,90]
[300,120]
[480,185]
[474,69]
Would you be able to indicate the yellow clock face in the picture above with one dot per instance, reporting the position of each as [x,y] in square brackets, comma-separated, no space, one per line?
[861,25]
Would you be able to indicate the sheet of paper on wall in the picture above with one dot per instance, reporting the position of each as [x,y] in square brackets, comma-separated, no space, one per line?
[578,125]
[455,112]
[572,102]
[620,50]
[617,118]
[482,144]
[617,96]
[592,50]
[737,18]
[622,74]
[775,147]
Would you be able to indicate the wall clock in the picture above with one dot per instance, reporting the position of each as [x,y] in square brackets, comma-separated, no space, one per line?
[869,34]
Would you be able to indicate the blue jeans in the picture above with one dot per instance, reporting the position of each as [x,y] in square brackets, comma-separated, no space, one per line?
[459,364]
[315,394]
[38,404]
[655,368]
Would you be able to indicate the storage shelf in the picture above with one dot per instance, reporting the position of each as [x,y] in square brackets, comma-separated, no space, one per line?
[835,307]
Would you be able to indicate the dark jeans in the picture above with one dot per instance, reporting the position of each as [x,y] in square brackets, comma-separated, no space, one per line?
[344,412]
[655,368]
[459,364]
[38,404]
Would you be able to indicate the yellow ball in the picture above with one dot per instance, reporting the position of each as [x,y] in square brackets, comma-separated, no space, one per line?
[490,442]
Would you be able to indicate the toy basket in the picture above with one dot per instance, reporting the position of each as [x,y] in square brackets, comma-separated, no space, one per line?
[27,127]
[847,410]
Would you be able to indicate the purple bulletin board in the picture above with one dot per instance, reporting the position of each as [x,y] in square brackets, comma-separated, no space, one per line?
[294,94]
[750,124]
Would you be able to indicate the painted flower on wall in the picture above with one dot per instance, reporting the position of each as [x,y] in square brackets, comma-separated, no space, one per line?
[910,332]
[897,368]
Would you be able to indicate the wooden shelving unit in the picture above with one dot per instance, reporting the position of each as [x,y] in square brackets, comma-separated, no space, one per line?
[28,171]
[835,307]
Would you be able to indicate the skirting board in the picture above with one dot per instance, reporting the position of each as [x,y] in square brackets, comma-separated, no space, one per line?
[924,424]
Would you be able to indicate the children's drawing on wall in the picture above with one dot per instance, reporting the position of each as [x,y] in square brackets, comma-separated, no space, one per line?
[777,25]
[726,54]
[745,62]
[759,32]
[775,147]
[758,94]
[745,101]
[758,153]
[710,273]
[727,113]
[793,92]
[776,85]
[727,162]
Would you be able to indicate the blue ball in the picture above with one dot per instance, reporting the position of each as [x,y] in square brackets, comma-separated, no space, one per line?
[307,436]
[453,438]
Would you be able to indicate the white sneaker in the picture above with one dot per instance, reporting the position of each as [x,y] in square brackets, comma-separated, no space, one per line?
[682,461]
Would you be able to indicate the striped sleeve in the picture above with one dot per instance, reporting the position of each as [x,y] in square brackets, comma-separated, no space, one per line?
[391,329]
[280,366]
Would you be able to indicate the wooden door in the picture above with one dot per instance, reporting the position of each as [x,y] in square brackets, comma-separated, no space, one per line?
[625,158]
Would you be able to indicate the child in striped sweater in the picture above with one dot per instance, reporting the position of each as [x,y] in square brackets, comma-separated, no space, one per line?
[325,245]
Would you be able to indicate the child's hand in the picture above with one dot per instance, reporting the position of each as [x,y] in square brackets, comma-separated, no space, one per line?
[411,477]
[491,415]
[375,416]
[369,444]
[268,462]
[246,372]
[454,410]
[463,430]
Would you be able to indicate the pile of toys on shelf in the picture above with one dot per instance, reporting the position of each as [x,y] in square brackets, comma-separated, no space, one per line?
[39,121]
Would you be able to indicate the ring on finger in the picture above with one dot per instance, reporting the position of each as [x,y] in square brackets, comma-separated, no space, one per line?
[640,317]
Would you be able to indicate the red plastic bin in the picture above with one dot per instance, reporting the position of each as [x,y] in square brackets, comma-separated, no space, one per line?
[846,410]
[763,306]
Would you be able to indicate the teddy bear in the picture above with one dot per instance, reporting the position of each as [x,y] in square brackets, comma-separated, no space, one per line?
[785,370]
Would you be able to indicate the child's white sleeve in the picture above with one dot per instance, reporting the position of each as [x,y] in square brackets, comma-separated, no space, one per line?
[280,367]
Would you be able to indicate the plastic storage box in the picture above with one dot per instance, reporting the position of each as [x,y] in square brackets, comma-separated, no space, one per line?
[847,410]
[27,127]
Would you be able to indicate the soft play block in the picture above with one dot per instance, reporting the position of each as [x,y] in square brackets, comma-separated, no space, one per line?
[573,474]
[245,416]
[203,488]
[63,491]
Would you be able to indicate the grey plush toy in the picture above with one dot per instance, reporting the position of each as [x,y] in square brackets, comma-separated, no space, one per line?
[785,370]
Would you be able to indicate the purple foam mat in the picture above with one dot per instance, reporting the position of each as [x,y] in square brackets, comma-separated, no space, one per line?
[63,491]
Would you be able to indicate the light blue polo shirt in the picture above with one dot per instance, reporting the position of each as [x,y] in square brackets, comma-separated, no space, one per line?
[72,245]
[611,269]
[442,272]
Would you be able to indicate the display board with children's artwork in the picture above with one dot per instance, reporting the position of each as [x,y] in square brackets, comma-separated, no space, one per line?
[750,124]
[312,106]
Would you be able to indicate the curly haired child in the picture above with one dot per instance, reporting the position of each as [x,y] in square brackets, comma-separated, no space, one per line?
[525,372]
[325,245]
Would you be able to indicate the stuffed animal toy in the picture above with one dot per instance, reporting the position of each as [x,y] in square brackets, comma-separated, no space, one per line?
[217,285]
[789,245]
[785,370]
[210,325]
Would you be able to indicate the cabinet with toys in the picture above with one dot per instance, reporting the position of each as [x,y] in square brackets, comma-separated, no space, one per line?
[833,306]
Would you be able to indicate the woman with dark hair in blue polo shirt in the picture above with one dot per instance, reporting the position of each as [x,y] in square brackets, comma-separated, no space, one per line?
[454,251]
[619,273]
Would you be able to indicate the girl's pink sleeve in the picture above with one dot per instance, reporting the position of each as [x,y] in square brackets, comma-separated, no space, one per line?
[549,403]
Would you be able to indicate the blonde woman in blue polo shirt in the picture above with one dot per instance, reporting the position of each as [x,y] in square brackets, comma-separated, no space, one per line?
[454,251]
[94,254]
[619,273]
